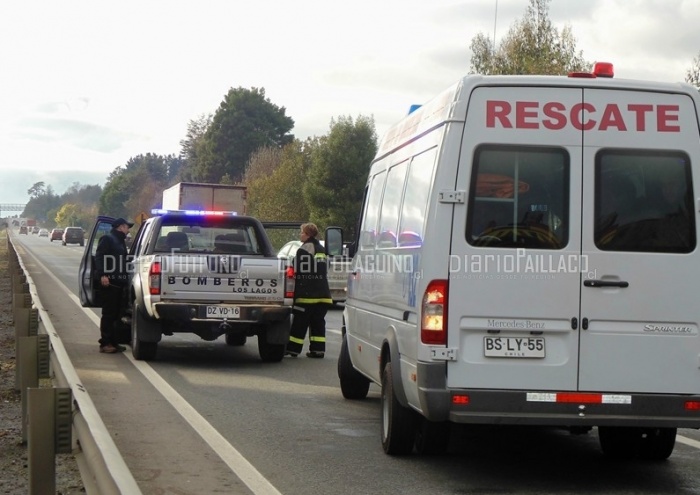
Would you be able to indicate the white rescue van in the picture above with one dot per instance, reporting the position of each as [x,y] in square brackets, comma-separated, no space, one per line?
[527,254]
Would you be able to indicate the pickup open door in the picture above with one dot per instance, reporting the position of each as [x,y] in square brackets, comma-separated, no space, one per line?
[89,296]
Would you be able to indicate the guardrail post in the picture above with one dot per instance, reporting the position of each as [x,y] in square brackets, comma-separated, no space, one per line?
[26,325]
[49,418]
[28,361]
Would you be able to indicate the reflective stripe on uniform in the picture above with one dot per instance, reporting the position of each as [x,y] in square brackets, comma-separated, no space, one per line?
[296,341]
[316,339]
[308,300]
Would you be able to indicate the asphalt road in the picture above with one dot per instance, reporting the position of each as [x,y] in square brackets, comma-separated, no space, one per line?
[206,418]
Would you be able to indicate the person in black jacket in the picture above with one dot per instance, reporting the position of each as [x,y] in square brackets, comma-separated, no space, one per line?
[111,271]
[311,295]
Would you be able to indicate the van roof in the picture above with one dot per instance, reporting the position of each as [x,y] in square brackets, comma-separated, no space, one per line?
[450,104]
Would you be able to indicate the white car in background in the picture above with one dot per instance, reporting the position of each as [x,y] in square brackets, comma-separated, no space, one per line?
[338,268]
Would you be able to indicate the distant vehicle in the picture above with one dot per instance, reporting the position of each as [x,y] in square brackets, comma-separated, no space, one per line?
[35,230]
[73,235]
[200,196]
[56,235]
[43,232]
[23,230]
[337,270]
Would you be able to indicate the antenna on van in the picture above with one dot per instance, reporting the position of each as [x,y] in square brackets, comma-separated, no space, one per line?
[495,20]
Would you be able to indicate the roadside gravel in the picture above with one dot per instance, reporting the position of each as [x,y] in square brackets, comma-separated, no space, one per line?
[14,468]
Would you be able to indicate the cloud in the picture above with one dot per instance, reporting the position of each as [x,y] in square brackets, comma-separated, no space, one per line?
[14,183]
[78,133]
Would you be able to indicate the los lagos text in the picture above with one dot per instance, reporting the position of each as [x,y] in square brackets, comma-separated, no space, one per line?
[226,282]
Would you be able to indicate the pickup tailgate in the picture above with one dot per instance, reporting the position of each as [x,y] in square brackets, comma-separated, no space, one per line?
[222,278]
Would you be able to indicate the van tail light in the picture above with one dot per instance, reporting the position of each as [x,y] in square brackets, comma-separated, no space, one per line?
[154,278]
[433,327]
[289,282]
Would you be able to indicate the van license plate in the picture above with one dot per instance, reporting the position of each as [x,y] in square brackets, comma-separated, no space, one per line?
[514,347]
[223,312]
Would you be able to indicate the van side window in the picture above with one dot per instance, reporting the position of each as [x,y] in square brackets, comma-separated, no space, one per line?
[420,174]
[644,202]
[391,202]
[368,229]
[519,198]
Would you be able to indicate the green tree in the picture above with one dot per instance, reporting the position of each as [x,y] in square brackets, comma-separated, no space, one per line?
[692,76]
[38,189]
[245,121]
[275,180]
[136,187]
[532,46]
[42,201]
[68,215]
[193,147]
[336,178]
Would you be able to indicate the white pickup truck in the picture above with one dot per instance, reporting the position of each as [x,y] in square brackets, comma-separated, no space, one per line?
[208,273]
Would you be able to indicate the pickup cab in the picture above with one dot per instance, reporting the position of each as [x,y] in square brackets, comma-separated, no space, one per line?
[207,273]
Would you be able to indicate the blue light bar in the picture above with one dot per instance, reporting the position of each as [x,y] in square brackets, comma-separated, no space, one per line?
[199,213]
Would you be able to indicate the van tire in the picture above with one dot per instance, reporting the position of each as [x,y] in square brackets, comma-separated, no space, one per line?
[398,422]
[353,384]
[654,444]
[658,444]
[432,437]
[141,350]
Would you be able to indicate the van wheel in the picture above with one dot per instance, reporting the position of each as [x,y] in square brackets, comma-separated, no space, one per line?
[142,351]
[353,384]
[618,442]
[398,422]
[654,444]
[657,443]
[235,339]
[432,438]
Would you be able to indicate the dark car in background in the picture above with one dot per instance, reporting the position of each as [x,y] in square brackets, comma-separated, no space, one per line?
[56,235]
[23,230]
[73,235]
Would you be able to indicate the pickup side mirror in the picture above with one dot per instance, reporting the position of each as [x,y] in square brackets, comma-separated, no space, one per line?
[334,241]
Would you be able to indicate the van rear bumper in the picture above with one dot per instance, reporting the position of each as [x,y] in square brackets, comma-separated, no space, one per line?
[517,407]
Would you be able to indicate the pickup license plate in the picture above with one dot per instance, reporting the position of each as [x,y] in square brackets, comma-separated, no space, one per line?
[514,347]
[223,312]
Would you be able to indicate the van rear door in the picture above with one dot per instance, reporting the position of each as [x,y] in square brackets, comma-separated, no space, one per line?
[639,308]
[572,260]
[515,268]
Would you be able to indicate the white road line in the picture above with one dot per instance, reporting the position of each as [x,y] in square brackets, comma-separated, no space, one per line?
[239,465]
[253,479]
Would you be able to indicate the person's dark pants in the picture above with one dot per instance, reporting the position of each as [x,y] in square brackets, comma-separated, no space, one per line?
[111,313]
[313,318]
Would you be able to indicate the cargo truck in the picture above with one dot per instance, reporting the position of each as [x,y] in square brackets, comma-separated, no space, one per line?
[205,197]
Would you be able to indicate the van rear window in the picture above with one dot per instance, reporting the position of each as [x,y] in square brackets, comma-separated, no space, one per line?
[644,202]
[519,198]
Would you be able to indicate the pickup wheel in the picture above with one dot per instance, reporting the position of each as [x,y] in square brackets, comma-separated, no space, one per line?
[353,384]
[270,353]
[235,339]
[398,422]
[142,351]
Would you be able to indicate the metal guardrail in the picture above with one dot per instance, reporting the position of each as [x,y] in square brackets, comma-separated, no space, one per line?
[76,426]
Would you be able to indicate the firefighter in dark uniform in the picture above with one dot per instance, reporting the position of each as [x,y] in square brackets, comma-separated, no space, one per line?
[312,297]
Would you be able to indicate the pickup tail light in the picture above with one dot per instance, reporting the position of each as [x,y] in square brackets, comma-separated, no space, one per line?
[434,314]
[154,278]
[289,282]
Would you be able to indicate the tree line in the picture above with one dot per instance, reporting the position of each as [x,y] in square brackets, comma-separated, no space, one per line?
[247,140]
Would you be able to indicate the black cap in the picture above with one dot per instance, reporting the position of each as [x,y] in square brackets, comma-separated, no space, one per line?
[120,221]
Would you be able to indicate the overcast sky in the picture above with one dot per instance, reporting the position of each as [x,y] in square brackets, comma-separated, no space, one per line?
[86,85]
